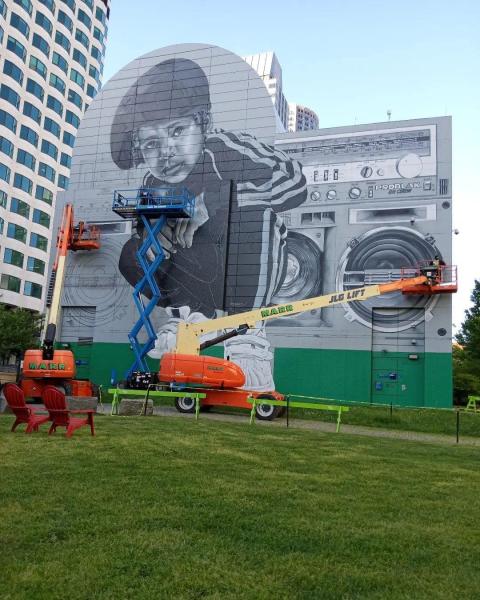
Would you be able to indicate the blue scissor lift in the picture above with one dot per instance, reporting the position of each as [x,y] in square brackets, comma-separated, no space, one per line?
[151,207]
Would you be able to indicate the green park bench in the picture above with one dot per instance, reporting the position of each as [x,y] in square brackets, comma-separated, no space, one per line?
[118,394]
[307,402]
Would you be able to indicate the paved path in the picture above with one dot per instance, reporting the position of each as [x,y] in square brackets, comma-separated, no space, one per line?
[415,436]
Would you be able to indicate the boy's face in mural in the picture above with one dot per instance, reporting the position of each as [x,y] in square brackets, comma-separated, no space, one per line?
[171,148]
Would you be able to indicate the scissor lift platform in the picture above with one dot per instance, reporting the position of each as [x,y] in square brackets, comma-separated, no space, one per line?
[171,202]
[151,207]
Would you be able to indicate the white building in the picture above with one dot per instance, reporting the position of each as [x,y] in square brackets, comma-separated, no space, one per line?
[301,118]
[267,66]
[51,64]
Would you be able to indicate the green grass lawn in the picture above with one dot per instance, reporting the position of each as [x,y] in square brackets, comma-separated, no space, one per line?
[173,508]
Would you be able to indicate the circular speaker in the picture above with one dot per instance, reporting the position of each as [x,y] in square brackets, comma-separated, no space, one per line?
[303,276]
[376,257]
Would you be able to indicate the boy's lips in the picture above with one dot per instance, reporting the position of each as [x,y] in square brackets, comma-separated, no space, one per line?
[172,169]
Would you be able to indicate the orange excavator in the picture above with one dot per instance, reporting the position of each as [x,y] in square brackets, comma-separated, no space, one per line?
[47,365]
[222,380]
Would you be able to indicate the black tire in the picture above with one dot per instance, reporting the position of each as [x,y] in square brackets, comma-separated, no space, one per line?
[266,412]
[185,405]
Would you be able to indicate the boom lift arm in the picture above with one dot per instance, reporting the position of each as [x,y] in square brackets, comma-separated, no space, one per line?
[188,334]
[69,237]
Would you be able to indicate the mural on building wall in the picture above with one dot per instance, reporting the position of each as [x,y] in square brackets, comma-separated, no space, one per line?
[278,218]
[164,125]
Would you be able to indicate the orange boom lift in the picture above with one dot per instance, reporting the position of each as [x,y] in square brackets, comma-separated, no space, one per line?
[222,380]
[48,366]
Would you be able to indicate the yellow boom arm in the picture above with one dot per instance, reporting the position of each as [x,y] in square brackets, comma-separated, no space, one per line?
[188,334]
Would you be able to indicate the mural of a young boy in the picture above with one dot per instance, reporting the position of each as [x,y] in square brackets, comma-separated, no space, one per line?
[231,256]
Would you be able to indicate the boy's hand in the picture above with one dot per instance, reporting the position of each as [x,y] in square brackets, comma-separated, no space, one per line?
[183,230]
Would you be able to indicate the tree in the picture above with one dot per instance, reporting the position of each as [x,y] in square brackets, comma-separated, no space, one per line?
[466,358]
[19,330]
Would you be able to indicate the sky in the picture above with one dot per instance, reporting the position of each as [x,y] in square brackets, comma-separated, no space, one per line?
[350,61]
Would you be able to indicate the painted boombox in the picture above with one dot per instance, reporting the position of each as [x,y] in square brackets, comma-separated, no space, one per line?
[378,200]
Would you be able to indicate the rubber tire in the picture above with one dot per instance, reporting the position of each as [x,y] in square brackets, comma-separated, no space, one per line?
[185,405]
[266,415]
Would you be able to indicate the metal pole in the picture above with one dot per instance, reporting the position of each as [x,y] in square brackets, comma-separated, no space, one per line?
[458,425]
[288,408]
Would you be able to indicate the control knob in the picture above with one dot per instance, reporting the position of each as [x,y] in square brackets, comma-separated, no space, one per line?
[331,195]
[409,166]
[355,193]
[366,172]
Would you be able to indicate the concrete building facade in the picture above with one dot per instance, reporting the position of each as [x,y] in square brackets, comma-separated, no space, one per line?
[51,65]
[301,118]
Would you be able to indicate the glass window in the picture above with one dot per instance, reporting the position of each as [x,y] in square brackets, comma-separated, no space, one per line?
[16,47]
[97,34]
[91,91]
[17,22]
[84,18]
[62,40]
[25,4]
[50,4]
[32,289]
[43,21]
[50,149]
[61,63]
[100,15]
[79,57]
[68,139]
[82,38]
[46,171]
[10,283]
[38,241]
[41,193]
[89,3]
[93,72]
[74,98]
[1,32]
[35,88]
[63,182]
[70,4]
[20,207]
[38,66]
[22,183]
[41,44]
[8,121]
[64,19]
[13,257]
[9,95]
[5,173]
[35,265]
[32,111]
[28,135]
[57,83]
[6,146]
[11,69]
[72,118]
[51,126]
[96,53]
[65,160]
[1,224]
[77,77]
[55,105]
[41,218]
[16,232]
[3,199]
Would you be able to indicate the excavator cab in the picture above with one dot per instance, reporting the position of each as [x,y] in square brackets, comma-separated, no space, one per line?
[440,278]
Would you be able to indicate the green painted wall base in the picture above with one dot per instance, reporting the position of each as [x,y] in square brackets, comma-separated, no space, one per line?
[350,375]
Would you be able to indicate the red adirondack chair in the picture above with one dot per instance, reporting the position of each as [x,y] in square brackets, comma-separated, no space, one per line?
[23,412]
[60,415]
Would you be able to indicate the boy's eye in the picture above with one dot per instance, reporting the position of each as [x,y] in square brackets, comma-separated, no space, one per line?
[177,131]
[152,145]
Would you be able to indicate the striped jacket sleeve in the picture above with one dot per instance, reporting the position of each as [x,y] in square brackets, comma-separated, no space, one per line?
[265,176]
